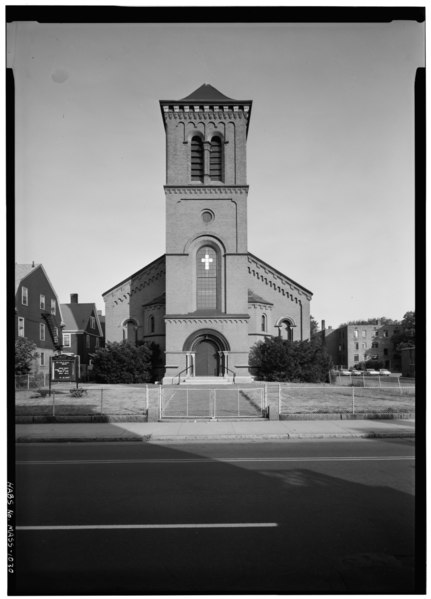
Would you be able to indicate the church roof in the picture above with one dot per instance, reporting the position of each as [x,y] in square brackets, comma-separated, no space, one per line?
[254,298]
[207,93]
[161,299]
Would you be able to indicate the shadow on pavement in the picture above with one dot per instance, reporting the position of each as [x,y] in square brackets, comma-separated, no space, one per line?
[332,535]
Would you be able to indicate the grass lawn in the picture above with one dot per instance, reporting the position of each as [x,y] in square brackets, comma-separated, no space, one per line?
[131,400]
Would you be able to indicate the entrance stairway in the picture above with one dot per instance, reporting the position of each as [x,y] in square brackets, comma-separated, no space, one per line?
[206,380]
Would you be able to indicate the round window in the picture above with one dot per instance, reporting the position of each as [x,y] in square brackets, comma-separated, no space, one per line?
[207,216]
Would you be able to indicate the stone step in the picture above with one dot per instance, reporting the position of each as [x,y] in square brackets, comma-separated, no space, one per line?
[207,380]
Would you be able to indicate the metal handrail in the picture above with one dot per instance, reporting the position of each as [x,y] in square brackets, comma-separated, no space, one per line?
[180,373]
[229,370]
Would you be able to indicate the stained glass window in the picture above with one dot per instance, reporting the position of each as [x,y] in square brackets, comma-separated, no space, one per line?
[206,287]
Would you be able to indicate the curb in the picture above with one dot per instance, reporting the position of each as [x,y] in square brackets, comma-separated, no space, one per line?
[206,439]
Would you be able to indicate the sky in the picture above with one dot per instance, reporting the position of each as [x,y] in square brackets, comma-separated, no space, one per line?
[330,154]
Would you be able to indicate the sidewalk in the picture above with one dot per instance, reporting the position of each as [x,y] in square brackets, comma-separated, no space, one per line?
[207,431]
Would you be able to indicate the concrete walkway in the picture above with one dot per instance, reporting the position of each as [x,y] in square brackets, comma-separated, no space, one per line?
[207,431]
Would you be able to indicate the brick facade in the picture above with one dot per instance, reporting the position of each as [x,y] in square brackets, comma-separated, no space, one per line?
[248,299]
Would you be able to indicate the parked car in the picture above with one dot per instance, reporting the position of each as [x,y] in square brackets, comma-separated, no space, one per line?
[371,372]
[344,372]
[355,372]
[384,372]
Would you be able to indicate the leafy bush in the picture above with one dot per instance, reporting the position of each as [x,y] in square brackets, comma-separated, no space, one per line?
[297,361]
[124,363]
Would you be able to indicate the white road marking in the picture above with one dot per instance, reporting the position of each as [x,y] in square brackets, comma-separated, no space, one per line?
[151,526]
[212,460]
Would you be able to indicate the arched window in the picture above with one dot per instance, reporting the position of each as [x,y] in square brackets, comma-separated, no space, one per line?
[287,330]
[206,283]
[130,331]
[216,159]
[197,159]
[151,319]
[263,322]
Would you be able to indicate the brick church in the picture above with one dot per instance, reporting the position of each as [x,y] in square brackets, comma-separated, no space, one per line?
[207,300]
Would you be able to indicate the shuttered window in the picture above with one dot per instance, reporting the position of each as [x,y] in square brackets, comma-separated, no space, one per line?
[197,159]
[216,159]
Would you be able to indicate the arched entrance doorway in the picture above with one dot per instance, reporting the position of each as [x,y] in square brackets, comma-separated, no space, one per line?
[207,359]
[209,350]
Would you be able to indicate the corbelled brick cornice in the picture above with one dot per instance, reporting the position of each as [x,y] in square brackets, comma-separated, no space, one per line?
[206,190]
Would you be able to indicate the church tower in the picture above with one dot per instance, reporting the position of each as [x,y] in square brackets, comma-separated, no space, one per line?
[206,191]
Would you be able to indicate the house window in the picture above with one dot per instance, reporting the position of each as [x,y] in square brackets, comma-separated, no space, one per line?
[355,334]
[42,331]
[87,341]
[356,358]
[206,284]
[385,333]
[53,307]
[24,296]
[97,344]
[92,322]
[375,344]
[364,346]
[385,352]
[21,326]
[42,302]
[216,159]
[263,323]
[42,358]
[152,327]
[356,345]
[66,340]
[197,159]
[364,333]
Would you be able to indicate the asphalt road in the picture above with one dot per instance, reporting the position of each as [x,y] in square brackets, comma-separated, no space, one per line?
[291,517]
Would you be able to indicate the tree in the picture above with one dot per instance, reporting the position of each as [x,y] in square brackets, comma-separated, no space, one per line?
[276,359]
[406,336]
[25,353]
[314,326]
[382,320]
[125,363]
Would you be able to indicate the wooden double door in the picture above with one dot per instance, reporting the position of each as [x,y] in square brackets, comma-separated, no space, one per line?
[207,359]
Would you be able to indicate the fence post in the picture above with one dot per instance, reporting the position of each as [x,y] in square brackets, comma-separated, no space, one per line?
[399,386]
[53,403]
[160,401]
[146,397]
[28,382]
[353,399]
[101,401]
[187,402]
[279,398]
[238,400]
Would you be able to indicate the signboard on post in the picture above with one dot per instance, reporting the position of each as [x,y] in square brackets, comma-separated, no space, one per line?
[64,368]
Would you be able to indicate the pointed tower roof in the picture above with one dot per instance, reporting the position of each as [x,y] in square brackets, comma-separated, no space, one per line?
[207,93]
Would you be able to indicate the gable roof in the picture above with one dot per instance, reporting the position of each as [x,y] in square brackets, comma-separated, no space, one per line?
[280,274]
[76,317]
[21,271]
[254,298]
[135,274]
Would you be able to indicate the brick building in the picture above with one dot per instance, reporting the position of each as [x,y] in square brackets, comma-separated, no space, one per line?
[207,300]
[354,343]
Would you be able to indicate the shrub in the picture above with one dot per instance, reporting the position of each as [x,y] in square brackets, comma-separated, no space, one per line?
[297,361]
[25,353]
[124,363]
